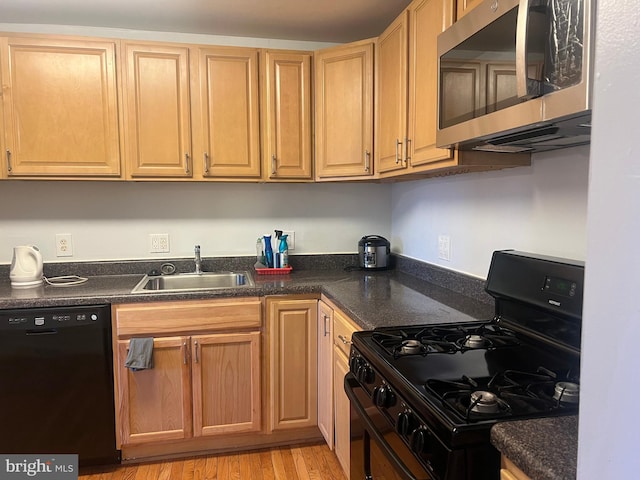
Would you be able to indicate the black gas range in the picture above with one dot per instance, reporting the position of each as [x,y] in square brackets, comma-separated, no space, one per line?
[424,397]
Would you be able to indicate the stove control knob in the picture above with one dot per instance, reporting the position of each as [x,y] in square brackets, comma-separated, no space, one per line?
[405,423]
[420,440]
[354,363]
[366,374]
[384,396]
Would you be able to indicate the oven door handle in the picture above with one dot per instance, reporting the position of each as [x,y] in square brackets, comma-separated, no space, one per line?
[350,383]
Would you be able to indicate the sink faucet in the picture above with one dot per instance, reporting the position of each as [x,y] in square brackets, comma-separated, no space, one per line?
[197,260]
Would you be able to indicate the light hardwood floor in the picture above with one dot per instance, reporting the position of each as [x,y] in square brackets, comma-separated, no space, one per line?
[297,462]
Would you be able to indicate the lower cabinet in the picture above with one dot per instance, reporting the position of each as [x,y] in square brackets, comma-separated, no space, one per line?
[226,383]
[509,471]
[222,377]
[207,383]
[293,363]
[342,438]
[155,404]
[337,363]
[325,372]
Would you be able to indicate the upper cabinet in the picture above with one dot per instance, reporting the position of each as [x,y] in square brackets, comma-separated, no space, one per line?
[156,113]
[464,6]
[225,112]
[407,89]
[392,99]
[344,111]
[286,115]
[82,108]
[60,107]
[407,99]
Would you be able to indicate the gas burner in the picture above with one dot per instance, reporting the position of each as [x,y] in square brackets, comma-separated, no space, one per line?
[405,342]
[475,341]
[484,402]
[410,347]
[567,392]
[484,336]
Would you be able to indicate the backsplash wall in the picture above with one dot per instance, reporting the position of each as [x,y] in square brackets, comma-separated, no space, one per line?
[540,209]
[113,220]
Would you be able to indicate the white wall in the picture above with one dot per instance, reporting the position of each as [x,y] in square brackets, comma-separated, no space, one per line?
[610,389]
[539,209]
[111,221]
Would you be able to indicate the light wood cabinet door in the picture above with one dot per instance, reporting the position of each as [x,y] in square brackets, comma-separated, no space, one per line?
[344,111]
[286,115]
[154,405]
[60,107]
[342,410]
[226,383]
[325,372]
[509,470]
[392,95]
[428,18]
[293,363]
[343,329]
[226,113]
[157,115]
[465,6]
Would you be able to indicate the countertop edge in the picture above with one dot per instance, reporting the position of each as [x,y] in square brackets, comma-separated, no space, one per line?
[543,448]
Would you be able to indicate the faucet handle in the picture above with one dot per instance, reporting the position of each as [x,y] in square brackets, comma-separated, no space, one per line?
[197,248]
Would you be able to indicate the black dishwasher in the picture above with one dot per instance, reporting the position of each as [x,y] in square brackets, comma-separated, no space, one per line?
[56,383]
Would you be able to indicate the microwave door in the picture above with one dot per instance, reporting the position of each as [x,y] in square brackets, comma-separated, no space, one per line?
[570,71]
[477,94]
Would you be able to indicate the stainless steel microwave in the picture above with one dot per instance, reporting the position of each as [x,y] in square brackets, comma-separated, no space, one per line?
[516,76]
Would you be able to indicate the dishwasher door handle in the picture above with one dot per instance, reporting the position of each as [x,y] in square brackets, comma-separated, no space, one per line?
[50,331]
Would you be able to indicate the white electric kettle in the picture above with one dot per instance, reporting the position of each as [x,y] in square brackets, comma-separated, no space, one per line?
[26,267]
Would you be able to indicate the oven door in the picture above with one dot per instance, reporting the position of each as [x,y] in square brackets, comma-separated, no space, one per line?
[377,451]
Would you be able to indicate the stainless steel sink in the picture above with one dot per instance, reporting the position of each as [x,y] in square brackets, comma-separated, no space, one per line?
[186,282]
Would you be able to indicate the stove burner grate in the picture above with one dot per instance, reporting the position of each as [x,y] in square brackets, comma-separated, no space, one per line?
[401,344]
[509,393]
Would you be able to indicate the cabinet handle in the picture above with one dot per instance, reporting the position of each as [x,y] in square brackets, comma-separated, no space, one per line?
[184,353]
[274,169]
[325,325]
[344,340]
[398,157]
[206,163]
[186,163]
[367,159]
[8,160]
[195,345]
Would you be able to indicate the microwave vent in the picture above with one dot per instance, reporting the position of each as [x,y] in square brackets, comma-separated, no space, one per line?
[502,148]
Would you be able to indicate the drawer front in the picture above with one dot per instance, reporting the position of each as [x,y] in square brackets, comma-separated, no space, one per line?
[161,318]
[343,328]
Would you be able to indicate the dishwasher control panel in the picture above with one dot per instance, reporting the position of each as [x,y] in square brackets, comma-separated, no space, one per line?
[54,317]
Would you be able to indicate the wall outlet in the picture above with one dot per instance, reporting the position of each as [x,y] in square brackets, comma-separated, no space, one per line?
[159,243]
[444,247]
[291,239]
[64,245]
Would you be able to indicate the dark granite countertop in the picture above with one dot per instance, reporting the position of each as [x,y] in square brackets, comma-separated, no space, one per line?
[544,449]
[411,293]
[372,299]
